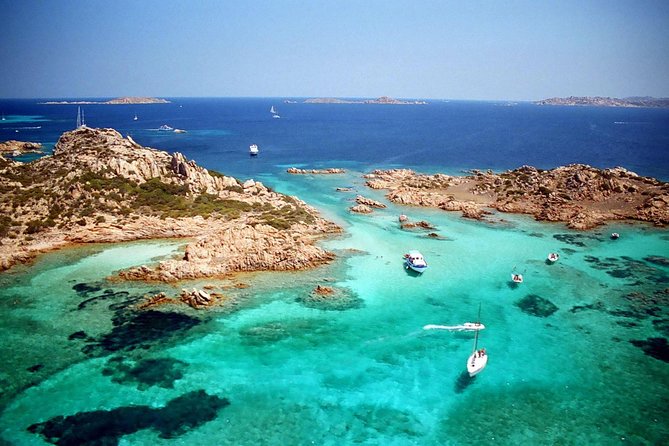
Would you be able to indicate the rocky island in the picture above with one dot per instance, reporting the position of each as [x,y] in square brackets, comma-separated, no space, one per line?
[16,148]
[101,187]
[381,100]
[598,101]
[581,196]
[123,100]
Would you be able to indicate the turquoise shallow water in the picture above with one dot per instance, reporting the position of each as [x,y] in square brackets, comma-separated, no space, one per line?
[278,369]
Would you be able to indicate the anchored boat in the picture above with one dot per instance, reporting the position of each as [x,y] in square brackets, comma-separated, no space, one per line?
[414,260]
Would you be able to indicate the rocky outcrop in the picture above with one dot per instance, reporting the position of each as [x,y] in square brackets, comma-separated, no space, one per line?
[328,171]
[100,187]
[235,249]
[361,209]
[16,148]
[579,195]
[369,202]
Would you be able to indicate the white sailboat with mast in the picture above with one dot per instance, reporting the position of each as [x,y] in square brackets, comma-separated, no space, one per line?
[479,358]
[274,113]
[81,121]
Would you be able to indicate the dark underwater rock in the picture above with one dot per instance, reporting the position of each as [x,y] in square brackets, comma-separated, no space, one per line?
[106,427]
[161,372]
[139,330]
[536,305]
[657,260]
[655,347]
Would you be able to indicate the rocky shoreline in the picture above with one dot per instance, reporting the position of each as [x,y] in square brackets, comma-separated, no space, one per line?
[581,196]
[100,187]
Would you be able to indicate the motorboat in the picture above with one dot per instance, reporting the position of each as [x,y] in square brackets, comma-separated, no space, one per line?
[415,261]
[467,326]
[553,257]
[479,357]
[615,236]
[253,150]
[179,131]
[517,277]
[165,128]
[135,118]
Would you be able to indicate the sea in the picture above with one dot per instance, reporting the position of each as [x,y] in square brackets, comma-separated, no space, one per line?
[577,353]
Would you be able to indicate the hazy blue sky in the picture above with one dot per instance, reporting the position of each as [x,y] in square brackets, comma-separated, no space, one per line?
[360,48]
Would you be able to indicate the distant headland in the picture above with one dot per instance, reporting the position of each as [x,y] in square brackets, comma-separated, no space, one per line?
[381,100]
[124,100]
[599,101]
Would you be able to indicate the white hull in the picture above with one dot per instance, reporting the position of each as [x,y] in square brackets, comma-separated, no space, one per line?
[553,257]
[517,278]
[253,150]
[476,363]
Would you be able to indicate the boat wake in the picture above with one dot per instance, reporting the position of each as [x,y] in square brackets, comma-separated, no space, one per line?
[467,326]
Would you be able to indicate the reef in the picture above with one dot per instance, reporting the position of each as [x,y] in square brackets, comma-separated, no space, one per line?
[535,305]
[106,427]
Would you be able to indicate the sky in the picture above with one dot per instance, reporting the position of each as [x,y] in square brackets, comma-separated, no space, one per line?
[479,50]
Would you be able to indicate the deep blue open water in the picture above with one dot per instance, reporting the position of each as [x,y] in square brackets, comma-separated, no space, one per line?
[578,352]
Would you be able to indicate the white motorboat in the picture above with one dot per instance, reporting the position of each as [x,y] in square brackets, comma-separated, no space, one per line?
[414,260]
[479,358]
[553,257]
[165,128]
[615,236]
[467,326]
[253,150]
[517,278]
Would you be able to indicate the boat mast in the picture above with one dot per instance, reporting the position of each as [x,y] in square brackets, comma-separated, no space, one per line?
[78,117]
[476,335]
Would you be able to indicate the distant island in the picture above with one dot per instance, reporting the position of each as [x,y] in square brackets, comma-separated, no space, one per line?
[381,100]
[124,100]
[599,101]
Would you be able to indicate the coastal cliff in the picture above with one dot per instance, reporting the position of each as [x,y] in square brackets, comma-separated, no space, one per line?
[581,196]
[100,187]
[599,101]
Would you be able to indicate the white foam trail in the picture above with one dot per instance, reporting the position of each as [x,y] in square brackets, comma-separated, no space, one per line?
[469,326]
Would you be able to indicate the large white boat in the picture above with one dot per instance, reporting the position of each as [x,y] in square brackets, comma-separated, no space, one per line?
[479,358]
[414,260]
[165,128]
[274,113]
[253,150]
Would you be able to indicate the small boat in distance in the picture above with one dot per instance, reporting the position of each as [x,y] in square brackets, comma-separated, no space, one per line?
[253,150]
[275,115]
[414,260]
[517,278]
[615,236]
[553,257]
[479,358]
[135,118]
[165,128]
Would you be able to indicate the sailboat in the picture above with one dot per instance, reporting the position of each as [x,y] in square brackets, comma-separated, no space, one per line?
[275,115]
[135,118]
[81,121]
[3,116]
[479,358]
